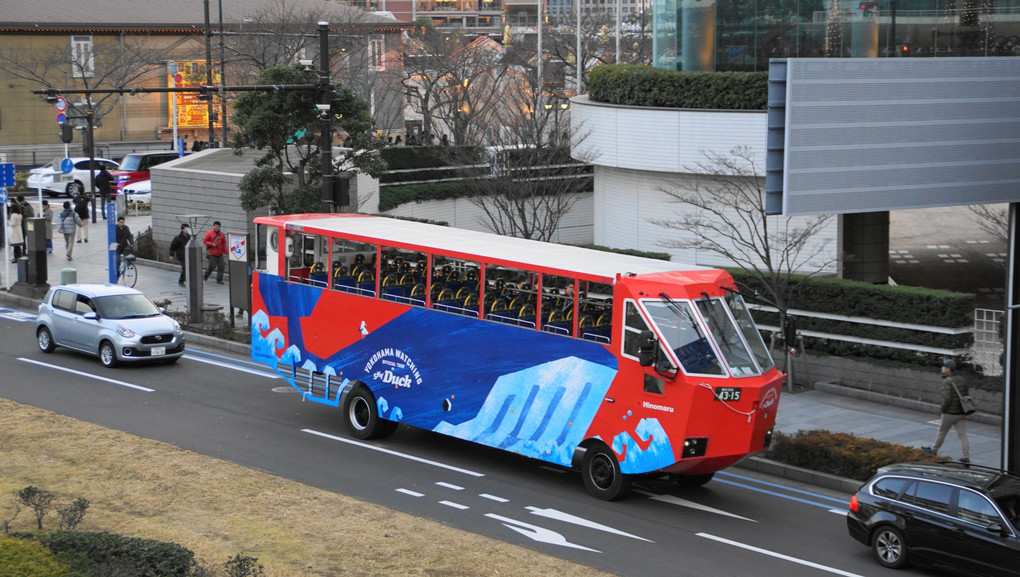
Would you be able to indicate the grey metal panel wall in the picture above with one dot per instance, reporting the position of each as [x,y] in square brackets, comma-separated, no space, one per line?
[871,134]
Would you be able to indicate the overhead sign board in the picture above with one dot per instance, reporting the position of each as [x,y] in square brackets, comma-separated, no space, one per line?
[853,135]
[191,112]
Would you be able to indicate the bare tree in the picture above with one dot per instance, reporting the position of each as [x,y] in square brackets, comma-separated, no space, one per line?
[103,62]
[993,219]
[723,212]
[6,523]
[598,43]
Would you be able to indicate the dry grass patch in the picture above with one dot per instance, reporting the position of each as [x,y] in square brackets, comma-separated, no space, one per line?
[142,488]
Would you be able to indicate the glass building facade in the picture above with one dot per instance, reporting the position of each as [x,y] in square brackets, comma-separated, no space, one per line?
[742,35]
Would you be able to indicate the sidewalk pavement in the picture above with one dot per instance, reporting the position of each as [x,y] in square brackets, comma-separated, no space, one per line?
[808,410]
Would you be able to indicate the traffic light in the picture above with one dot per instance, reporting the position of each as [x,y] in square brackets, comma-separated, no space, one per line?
[903,50]
[66,133]
[868,7]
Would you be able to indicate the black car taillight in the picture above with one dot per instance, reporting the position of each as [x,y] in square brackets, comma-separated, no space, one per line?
[853,504]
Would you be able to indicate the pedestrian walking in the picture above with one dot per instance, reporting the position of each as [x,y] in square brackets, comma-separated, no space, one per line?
[68,224]
[15,235]
[47,214]
[27,212]
[954,388]
[216,247]
[177,250]
[104,182]
[81,208]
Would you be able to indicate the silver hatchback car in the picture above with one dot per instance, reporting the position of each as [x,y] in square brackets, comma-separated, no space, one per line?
[116,323]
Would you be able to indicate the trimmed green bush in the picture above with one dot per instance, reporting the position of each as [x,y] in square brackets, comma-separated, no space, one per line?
[631,252]
[841,454]
[109,553]
[633,85]
[19,558]
[416,157]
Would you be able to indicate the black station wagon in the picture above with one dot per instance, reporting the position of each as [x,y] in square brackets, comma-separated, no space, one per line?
[951,516]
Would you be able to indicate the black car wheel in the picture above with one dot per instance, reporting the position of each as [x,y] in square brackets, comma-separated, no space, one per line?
[73,188]
[889,547]
[602,475]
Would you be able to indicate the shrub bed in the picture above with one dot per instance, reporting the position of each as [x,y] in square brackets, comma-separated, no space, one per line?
[634,85]
[841,454]
[111,554]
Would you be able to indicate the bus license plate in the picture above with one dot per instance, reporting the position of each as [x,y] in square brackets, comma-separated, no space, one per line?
[158,351]
[727,393]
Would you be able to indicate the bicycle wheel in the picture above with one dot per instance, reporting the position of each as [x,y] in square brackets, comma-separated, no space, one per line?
[130,276]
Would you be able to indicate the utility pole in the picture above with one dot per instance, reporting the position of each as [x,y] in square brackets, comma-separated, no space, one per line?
[329,200]
[223,80]
[208,73]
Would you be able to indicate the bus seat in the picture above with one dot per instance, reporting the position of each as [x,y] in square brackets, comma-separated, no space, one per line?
[471,305]
[515,304]
[586,322]
[390,280]
[359,259]
[463,293]
[404,267]
[436,289]
[527,312]
[555,316]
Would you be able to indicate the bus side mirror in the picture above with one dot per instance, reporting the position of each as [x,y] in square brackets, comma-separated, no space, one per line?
[648,347]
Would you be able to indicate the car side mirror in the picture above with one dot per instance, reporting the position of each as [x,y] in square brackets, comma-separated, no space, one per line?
[90,316]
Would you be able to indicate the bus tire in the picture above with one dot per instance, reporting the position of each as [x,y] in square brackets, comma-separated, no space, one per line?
[691,480]
[361,415]
[602,475]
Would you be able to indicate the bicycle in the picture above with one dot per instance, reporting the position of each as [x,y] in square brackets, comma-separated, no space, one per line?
[128,272]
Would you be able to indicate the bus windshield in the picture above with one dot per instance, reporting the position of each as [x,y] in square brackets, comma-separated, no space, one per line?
[730,340]
[678,325]
[746,325]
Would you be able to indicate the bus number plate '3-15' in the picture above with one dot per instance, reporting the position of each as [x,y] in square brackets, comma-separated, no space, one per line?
[727,393]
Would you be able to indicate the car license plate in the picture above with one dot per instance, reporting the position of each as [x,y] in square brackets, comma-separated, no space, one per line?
[158,351]
[727,393]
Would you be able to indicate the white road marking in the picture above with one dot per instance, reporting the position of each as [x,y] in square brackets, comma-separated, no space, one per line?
[19,316]
[233,367]
[539,534]
[843,512]
[394,453]
[568,518]
[685,503]
[454,505]
[494,498]
[89,375]
[411,493]
[832,570]
[450,486]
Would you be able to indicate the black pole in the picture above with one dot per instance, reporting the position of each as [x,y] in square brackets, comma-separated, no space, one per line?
[892,25]
[223,81]
[208,72]
[1011,391]
[326,114]
[90,133]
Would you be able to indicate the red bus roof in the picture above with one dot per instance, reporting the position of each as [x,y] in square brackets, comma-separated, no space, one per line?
[474,245]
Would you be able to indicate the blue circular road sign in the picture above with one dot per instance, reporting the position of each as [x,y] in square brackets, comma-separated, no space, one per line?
[66,166]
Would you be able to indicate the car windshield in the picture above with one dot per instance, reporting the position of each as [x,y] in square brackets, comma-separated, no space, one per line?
[130,306]
[131,162]
[730,338]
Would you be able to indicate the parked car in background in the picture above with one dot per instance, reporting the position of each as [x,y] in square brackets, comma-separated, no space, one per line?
[135,167]
[952,516]
[44,177]
[139,192]
[114,322]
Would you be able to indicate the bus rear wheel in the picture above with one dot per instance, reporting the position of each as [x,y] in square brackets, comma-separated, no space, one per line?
[361,415]
[602,475]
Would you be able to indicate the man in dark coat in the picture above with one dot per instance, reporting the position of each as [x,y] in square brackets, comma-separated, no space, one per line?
[104,182]
[177,249]
[953,387]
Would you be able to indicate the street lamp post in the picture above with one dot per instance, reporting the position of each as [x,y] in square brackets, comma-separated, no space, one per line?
[208,72]
[325,106]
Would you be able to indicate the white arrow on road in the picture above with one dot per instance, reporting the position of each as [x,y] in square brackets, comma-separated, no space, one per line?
[568,518]
[539,534]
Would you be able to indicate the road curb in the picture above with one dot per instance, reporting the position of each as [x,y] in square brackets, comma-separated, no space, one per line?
[800,474]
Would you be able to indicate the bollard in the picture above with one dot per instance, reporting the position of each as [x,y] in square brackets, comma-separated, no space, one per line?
[69,276]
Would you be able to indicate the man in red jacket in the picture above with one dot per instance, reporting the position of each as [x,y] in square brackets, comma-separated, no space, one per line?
[216,246]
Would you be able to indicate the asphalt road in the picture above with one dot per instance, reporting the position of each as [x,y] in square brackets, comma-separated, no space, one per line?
[227,407]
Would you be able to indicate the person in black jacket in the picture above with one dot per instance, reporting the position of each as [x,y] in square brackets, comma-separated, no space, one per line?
[177,246]
[81,207]
[125,241]
[104,182]
[953,387]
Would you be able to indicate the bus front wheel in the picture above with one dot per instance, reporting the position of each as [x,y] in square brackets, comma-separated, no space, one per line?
[361,415]
[602,475]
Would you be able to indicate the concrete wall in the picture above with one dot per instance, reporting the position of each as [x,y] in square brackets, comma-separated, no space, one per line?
[575,226]
[898,383]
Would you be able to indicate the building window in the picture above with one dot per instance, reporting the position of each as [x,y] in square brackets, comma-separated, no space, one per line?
[83,62]
[376,52]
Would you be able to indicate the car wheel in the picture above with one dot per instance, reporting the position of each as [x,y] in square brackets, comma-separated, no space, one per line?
[107,354]
[361,415]
[889,547]
[73,188]
[602,475]
[45,340]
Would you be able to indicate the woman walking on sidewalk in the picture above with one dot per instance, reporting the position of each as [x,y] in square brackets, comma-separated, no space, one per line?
[68,223]
[81,207]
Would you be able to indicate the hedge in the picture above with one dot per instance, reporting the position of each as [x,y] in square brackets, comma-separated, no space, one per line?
[633,85]
[415,157]
[108,553]
[841,454]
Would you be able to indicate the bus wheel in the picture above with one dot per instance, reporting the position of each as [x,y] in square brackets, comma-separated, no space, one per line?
[691,480]
[361,415]
[602,475]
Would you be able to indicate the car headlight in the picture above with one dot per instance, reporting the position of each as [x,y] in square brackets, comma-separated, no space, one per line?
[122,178]
[125,332]
[177,329]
